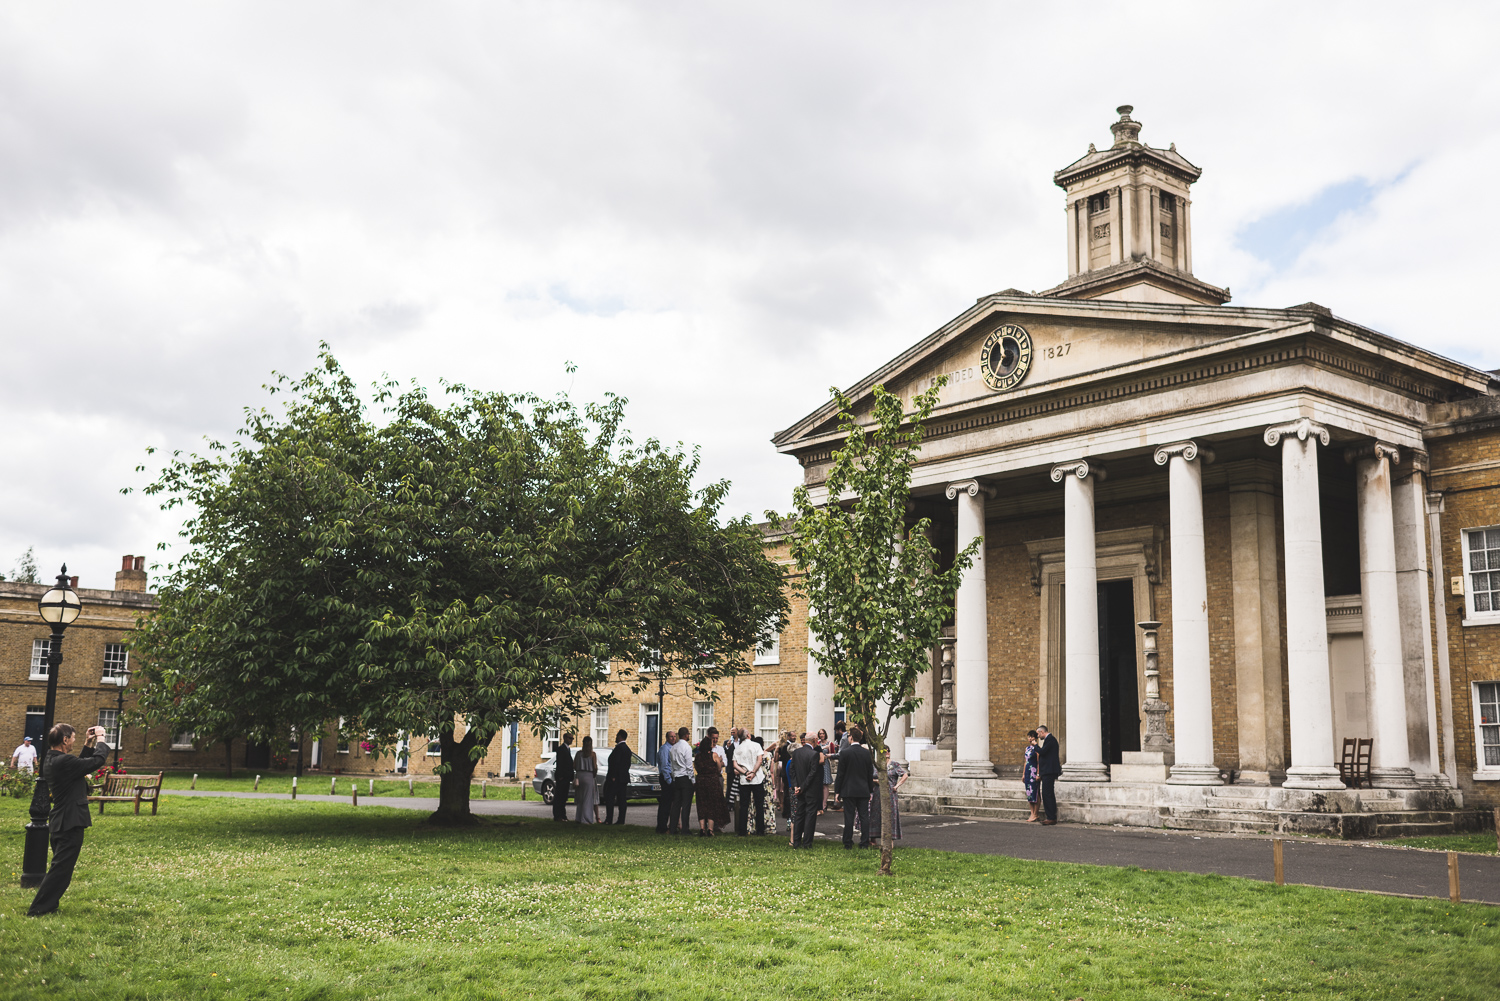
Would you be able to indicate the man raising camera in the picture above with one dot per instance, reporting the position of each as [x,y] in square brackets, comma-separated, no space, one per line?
[67,779]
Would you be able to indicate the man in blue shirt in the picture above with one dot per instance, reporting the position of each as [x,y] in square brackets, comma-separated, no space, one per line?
[664,798]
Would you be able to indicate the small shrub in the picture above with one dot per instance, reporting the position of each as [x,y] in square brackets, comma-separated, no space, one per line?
[17,783]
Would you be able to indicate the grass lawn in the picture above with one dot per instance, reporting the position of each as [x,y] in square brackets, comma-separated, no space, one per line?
[1482,843]
[220,898]
[317,782]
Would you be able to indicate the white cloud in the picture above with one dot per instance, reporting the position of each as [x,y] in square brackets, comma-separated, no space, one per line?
[716,211]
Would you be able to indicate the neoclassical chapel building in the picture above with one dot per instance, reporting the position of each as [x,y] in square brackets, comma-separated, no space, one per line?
[1291,513]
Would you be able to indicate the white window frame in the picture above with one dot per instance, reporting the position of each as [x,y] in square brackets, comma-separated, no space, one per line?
[703,718]
[599,727]
[768,709]
[115,669]
[111,728]
[768,652]
[184,741]
[340,742]
[434,745]
[1472,617]
[39,651]
[552,738]
[1483,772]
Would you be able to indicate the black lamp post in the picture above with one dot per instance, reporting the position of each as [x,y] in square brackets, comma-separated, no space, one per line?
[122,679]
[58,607]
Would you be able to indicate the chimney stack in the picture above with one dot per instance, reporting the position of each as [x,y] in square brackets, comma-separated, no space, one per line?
[132,574]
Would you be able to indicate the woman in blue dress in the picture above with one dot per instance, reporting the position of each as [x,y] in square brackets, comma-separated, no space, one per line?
[1029,774]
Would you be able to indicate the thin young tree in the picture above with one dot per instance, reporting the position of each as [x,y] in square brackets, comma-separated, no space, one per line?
[877,597]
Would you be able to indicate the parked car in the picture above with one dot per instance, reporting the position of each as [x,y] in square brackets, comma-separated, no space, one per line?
[645,780]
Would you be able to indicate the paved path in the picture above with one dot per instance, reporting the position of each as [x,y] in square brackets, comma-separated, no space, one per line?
[1314,862]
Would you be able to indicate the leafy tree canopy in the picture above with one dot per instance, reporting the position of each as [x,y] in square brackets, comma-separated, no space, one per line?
[877,599]
[477,563]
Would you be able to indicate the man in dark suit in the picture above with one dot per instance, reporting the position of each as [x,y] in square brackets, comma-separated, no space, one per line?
[67,779]
[617,780]
[562,778]
[807,788]
[856,768]
[1049,767]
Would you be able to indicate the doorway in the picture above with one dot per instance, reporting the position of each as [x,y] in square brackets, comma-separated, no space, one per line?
[652,731]
[1119,694]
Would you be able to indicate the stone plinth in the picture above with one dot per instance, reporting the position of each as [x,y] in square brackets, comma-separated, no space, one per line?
[1142,766]
[936,763]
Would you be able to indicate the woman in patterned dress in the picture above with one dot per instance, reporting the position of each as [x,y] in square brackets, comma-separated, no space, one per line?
[1029,774]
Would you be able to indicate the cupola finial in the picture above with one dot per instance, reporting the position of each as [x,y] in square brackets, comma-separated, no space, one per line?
[1127,130]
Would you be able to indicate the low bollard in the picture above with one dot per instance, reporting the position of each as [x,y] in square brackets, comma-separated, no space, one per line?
[354,788]
[294,787]
[484,789]
[1497,828]
[523,790]
[257,783]
[372,787]
[333,786]
[409,789]
[194,784]
[1453,877]
[1276,856]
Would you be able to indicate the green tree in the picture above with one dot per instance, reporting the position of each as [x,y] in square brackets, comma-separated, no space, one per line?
[877,599]
[449,570]
[25,569]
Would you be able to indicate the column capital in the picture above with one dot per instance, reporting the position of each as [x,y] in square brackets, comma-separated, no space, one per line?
[971,487]
[1303,428]
[1376,450]
[1434,502]
[1189,450]
[1079,468]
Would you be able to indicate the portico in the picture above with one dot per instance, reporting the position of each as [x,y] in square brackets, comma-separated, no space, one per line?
[1131,450]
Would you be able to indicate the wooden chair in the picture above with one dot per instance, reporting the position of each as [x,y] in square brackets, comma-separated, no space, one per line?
[1354,764]
[135,789]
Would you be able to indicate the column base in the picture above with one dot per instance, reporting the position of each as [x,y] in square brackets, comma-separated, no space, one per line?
[1312,777]
[1194,775]
[972,769]
[1393,778]
[1085,771]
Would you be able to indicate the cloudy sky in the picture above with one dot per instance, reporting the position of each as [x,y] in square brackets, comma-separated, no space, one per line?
[717,210]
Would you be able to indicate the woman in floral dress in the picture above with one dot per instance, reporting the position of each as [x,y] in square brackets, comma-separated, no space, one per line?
[1029,774]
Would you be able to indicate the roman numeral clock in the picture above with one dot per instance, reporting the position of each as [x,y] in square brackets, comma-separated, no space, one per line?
[1006,357]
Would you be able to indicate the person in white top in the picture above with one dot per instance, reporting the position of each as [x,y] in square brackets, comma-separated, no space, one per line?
[24,757]
[750,765]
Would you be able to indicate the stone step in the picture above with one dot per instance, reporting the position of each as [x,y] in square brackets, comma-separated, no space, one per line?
[1222,825]
[986,812]
[984,802]
[1413,829]
[1182,816]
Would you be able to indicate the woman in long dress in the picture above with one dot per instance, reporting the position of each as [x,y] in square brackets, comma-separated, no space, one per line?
[586,768]
[713,811]
[1029,778]
[896,774]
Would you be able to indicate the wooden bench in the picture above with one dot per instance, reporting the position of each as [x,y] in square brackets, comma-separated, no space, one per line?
[135,789]
[1354,766]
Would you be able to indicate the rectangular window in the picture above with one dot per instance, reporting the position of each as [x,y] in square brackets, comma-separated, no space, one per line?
[1482,576]
[768,720]
[1099,203]
[110,720]
[183,741]
[294,742]
[703,718]
[116,663]
[39,651]
[1168,202]
[551,737]
[343,738]
[1487,701]
[769,651]
[599,724]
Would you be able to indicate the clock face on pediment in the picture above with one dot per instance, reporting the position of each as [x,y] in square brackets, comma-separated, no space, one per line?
[1006,357]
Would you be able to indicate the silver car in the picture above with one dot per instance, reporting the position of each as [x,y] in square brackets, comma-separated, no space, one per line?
[645,780]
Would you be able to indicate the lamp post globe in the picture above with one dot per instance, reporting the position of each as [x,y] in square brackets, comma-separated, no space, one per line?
[59,606]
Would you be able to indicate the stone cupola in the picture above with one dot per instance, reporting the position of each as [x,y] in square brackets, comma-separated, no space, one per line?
[1129,223]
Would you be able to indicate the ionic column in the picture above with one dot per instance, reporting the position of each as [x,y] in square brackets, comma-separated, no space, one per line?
[1192,692]
[972,656]
[1311,696]
[820,688]
[1072,211]
[1385,670]
[1081,728]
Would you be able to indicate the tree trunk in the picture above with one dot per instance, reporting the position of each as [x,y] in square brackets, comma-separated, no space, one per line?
[299,754]
[887,815]
[453,784]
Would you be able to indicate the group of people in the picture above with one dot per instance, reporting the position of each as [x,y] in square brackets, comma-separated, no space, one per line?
[764,787]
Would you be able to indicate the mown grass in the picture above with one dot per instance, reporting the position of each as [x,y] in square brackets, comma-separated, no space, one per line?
[318,782]
[220,898]
[1482,843]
